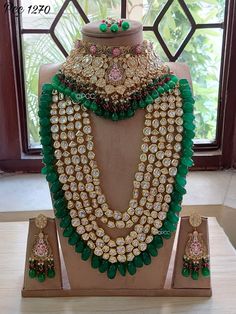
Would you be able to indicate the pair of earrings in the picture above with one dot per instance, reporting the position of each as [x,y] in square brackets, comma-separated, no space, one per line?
[196,259]
[41,261]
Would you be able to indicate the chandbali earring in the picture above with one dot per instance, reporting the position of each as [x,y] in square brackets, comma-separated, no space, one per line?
[41,262]
[196,256]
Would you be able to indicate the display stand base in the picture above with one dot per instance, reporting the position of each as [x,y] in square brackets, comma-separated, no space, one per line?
[123,292]
[174,285]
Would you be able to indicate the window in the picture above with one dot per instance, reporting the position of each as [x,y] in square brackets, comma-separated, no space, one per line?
[198,33]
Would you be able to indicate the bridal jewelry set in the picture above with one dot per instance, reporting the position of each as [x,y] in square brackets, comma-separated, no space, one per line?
[113,83]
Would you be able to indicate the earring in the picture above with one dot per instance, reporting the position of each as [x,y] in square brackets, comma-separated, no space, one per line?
[196,256]
[41,262]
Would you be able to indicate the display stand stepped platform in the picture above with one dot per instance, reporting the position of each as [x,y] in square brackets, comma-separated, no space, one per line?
[75,277]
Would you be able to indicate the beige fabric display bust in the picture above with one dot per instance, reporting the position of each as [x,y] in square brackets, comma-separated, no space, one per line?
[117,161]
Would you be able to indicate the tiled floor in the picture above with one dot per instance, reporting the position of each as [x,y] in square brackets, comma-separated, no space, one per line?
[27,192]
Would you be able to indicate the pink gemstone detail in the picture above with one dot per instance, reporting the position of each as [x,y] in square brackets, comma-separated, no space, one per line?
[93,49]
[116,52]
[41,249]
[138,49]
[77,44]
[115,74]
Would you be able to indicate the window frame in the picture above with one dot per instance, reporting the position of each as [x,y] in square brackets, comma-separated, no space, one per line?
[15,155]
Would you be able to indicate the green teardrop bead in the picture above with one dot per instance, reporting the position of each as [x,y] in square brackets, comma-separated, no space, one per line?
[60,203]
[47,87]
[148,100]
[172,217]
[60,213]
[185,272]
[58,194]
[187,142]
[188,117]
[32,273]
[67,91]
[138,262]
[169,225]
[80,246]
[183,170]
[111,272]
[174,78]
[104,266]
[186,161]
[180,189]
[121,115]
[189,126]
[205,271]
[160,90]
[142,104]
[44,170]
[152,250]
[176,196]
[195,275]
[188,152]
[65,221]
[171,84]
[158,241]
[188,106]
[146,258]
[130,113]
[55,186]
[46,140]
[183,82]
[73,239]
[52,177]
[122,269]
[135,105]
[180,180]
[155,94]
[41,277]
[131,268]
[189,134]
[86,253]
[68,231]
[114,117]
[51,273]
[166,87]
[175,207]
[95,261]
[93,106]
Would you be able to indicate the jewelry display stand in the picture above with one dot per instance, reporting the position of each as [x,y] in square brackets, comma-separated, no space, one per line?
[162,278]
[117,159]
[33,286]
[179,281]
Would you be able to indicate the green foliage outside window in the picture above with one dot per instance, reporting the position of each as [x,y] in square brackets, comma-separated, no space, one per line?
[202,53]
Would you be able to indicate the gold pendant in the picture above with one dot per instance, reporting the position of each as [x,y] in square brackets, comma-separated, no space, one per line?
[41,261]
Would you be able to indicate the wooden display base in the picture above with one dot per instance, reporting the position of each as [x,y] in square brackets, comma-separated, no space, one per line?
[161,278]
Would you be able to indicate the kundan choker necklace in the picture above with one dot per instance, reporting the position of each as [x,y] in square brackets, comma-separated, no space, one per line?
[113,82]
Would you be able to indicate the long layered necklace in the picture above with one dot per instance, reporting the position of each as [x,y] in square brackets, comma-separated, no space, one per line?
[114,82]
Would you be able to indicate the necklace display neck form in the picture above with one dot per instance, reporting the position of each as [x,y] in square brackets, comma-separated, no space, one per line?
[131,37]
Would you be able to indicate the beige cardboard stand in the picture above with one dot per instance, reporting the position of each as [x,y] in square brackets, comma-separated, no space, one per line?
[180,282]
[161,278]
[50,284]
